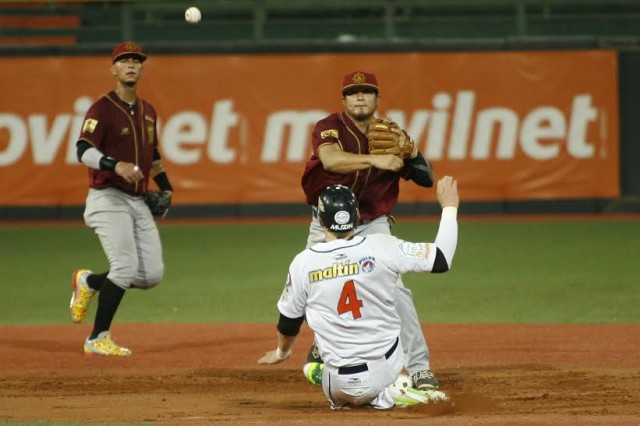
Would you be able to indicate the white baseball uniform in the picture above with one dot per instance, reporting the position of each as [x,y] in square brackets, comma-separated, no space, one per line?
[416,351]
[347,289]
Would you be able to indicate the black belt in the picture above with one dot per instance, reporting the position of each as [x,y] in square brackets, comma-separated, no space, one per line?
[360,368]
[133,194]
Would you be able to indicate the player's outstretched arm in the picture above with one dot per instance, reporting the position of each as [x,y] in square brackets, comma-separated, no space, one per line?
[447,238]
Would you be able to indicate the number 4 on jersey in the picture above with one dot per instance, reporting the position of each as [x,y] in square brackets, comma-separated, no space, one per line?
[349,301]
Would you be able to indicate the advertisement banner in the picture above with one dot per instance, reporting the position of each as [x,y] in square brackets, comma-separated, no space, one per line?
[236,129]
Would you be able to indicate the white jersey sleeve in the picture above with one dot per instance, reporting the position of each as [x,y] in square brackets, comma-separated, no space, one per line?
[293,300]
[403,256]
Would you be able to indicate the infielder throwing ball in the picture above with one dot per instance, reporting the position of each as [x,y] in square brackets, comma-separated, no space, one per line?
[346,289]
[370,155]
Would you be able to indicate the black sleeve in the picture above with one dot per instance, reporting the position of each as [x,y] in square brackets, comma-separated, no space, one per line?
[161,179]
[81,147]
[289,326]
[421,171]
[440,264]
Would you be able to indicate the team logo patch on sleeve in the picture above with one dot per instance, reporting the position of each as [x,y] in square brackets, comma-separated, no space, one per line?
[329,133]
[89,125]
[415,249]
[287,289]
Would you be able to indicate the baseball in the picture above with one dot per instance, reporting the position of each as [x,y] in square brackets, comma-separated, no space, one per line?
[192,15]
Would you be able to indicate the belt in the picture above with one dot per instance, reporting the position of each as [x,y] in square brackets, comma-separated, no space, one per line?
[133,194]
[360,368]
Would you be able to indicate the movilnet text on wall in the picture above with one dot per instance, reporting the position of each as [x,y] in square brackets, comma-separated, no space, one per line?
[236,129]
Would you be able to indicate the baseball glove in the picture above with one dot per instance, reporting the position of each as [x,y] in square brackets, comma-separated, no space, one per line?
[158,202]
[383,140]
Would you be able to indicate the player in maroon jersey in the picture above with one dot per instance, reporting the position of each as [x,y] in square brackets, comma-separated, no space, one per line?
[119,144]
[341,156]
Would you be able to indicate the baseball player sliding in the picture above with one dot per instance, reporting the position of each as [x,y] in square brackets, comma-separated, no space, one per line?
[345,287]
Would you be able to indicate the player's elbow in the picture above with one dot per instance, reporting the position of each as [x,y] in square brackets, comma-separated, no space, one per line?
[423,179]
[440,265]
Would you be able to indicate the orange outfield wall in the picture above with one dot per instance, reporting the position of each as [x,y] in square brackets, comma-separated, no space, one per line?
[236,129]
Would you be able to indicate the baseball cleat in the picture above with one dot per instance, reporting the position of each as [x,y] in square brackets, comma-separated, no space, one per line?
[81,295]
[313,372]
[103,345]
[404,394]
[410,396]
[424,380]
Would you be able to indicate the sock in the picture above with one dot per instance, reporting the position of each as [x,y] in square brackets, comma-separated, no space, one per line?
[108,302]
[94,281]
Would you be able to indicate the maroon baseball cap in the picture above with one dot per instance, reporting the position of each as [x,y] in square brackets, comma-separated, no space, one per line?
[128,48]
[360,79]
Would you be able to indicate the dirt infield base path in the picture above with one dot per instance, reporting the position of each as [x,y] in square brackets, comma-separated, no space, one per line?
[199,374]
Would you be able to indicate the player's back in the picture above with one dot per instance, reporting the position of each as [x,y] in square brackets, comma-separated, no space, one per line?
[350,299]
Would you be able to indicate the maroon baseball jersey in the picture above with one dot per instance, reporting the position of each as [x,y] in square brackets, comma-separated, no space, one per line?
[116,131]
[376,190]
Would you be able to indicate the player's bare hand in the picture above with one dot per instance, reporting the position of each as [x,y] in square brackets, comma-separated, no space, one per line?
[392,163]
[271,357]
[448,192]
[129,172]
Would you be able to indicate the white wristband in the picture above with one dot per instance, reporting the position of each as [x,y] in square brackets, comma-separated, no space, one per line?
[281,355]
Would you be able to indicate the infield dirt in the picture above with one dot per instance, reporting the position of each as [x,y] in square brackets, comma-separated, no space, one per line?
[200,374]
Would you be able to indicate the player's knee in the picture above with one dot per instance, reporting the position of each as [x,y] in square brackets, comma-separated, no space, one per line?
[152,277]
[155,275]
[123,275]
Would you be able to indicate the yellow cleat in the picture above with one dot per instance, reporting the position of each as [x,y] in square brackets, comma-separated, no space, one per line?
[81,296]
[103,345]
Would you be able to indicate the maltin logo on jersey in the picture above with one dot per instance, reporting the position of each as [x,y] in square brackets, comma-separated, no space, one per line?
[334,271]
[367,264]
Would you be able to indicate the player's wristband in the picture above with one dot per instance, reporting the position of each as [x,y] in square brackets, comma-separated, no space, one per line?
[162,180]
[108,163]
[282,355]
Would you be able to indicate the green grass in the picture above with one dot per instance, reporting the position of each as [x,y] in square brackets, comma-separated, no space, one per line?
[511,272]
[536,272]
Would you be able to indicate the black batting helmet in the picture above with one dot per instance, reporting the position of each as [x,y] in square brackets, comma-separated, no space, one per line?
[338,209]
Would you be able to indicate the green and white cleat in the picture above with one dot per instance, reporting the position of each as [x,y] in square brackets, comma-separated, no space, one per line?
[313,372]
[404,395]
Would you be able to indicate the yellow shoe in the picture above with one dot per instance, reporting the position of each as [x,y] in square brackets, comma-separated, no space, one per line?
[81,296]
[103,345]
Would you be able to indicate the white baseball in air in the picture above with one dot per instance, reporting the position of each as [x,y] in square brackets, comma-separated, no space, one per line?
[192,15]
